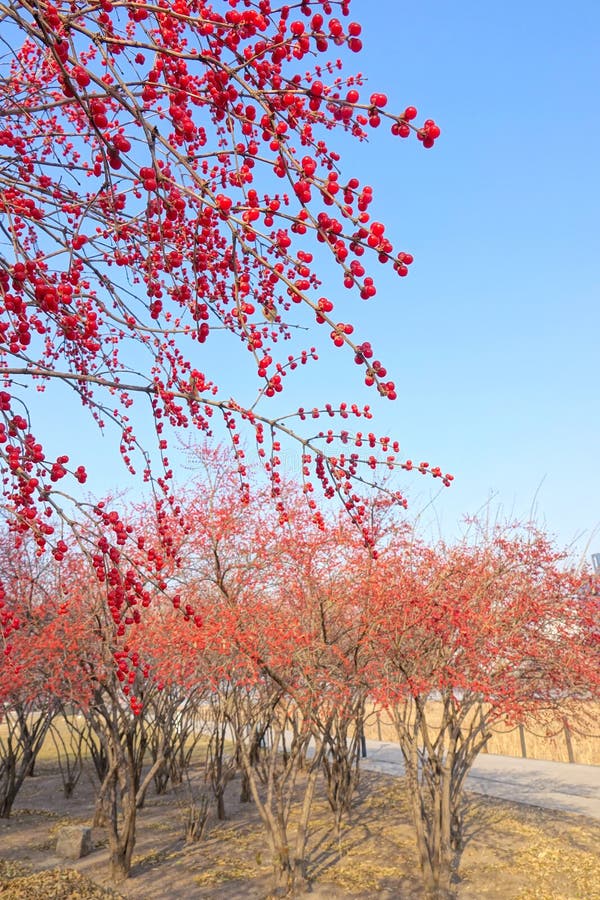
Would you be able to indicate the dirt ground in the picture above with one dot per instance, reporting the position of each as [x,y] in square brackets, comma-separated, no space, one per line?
[513,852]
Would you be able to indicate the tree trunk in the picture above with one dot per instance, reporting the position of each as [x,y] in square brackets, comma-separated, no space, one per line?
[302,828]
[8,785]
[120,862]
[121,834]
[221,816]
[289,872]
[245,792]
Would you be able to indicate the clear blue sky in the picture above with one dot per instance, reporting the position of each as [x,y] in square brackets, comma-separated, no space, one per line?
[493,338]
[497,329]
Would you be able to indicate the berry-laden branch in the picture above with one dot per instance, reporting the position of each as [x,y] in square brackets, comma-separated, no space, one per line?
[167,170]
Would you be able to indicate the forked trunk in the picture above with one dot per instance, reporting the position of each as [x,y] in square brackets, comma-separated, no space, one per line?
[289,873]
[432,812]
[120,862]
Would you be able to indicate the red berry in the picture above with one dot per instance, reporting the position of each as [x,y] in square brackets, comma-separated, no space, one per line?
[81,76]
[378,100]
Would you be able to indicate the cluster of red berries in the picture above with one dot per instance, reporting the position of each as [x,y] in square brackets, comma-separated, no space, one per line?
[428,133]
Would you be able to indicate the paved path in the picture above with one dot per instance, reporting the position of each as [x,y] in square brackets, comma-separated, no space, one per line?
[561,786]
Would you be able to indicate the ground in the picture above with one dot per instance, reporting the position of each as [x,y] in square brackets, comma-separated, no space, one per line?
[513,852]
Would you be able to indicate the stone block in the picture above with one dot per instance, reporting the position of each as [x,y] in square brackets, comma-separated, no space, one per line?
[74,841]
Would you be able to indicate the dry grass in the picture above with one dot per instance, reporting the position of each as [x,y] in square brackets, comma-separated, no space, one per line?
[541,742]
[48,753]
[548,741]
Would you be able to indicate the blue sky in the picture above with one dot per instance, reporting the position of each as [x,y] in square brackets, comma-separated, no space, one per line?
[499,322]
[493,337]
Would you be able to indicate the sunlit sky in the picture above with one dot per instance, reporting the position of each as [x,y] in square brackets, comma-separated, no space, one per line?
[493,338]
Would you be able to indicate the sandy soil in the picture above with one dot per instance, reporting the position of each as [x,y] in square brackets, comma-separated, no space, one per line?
[512,851]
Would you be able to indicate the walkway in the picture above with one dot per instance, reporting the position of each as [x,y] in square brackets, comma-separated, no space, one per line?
[560,786]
